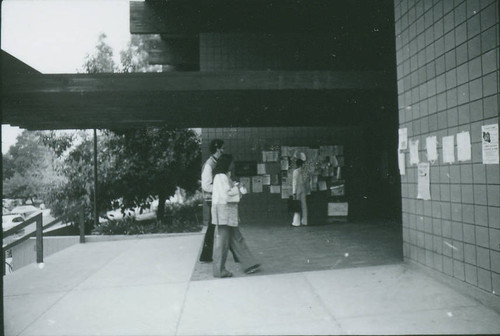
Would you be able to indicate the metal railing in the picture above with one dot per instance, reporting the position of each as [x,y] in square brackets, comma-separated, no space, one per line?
[38,219]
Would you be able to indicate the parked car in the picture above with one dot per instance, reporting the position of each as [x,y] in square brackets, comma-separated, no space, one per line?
[9,221]
[26,211]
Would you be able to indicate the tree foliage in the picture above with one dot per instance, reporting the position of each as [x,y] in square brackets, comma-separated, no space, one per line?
[102,58]
[153,162]
[31,169]
[135,57]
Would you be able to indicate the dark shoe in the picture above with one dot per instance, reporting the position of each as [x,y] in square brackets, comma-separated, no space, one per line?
[226,274]
[252,269]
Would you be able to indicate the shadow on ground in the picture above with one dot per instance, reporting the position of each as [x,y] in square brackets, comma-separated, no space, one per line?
[284,249]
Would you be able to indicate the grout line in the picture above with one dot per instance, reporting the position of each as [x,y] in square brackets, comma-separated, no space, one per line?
[318,297]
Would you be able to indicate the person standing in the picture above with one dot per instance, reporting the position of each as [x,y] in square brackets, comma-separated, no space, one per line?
[216,149]
[299,191]
[225,199]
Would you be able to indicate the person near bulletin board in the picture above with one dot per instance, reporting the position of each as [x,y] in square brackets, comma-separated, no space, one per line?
[299,190]
[216,149]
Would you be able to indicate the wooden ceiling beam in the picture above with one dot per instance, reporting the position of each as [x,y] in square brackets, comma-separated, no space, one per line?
[199,81]
[194,99]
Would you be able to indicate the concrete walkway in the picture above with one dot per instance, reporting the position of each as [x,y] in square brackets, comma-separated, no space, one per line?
[143,287]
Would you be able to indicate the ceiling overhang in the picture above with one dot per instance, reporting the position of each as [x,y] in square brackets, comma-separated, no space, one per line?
[220,98]
[192,99]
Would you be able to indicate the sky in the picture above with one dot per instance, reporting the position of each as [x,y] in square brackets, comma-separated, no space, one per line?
[53,36]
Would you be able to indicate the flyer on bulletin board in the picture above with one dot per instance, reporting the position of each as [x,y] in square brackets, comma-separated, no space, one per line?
[490,143]
[275,189]
[245,182]
[261,168]
[256,184]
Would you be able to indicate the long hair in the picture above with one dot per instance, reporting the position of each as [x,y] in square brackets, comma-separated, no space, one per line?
[223,164]
[215,144]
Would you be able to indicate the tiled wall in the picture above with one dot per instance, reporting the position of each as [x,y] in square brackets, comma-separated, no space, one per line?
[247,144]
[448,82]
[279,51]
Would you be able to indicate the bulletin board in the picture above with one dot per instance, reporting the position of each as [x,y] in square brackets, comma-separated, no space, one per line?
[324,169]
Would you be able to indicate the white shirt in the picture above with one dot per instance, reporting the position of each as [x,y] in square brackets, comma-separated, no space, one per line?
[224,190]
[206,174]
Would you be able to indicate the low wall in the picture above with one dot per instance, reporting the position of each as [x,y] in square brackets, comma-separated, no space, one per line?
[25,253]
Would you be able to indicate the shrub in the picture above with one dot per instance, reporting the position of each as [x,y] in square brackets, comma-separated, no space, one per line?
[179,217]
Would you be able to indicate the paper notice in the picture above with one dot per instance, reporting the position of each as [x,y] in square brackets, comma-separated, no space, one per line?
[463,146]
[245,182]
[449,149]
[490,143]
[402,163]
[266,179]
[431,145]
[424,191]
[284,164]
[338,209]
[414,152]
[270,156]
[256,184]
[275,189]
[403,138]
[261,168]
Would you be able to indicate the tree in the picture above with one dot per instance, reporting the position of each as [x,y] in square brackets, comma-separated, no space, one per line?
[78,168]
[102,58]
[135,57]
[32,168]
[153,162]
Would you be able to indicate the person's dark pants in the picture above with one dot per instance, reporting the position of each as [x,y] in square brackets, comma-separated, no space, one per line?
[208,242]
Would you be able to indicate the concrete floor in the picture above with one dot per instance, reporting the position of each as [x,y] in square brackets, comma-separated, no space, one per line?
[282,248]
[144,286]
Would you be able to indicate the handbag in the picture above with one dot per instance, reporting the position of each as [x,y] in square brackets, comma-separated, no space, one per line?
[293,205]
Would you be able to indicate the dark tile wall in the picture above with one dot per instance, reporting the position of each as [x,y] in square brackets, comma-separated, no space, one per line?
[448,82]
[294,51]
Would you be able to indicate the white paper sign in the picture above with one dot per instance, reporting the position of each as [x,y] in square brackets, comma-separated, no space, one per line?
[402,163]
[449,149]
[414,152]
[490,143]
[256,184]
[261,168]
[275,189]
[338,209]
[463,146]
[431,146]
[403,138]
[424,191]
